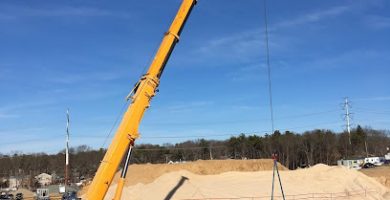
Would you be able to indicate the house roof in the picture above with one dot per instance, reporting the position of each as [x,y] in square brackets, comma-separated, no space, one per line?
[353,158]
[43,175]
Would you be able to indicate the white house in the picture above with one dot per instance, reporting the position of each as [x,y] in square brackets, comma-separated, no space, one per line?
[387,156]
[352,163]
[13,183]
[44,179]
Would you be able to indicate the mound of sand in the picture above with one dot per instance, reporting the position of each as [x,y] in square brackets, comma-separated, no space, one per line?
[26,193]
[147,173]
[381,174]
[318,181]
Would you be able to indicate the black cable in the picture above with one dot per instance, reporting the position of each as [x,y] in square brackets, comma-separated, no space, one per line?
[115,123]
[268,66]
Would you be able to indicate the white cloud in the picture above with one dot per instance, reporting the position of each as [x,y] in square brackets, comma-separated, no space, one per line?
[242,46]
[377,22]
[312,17]
[248,45]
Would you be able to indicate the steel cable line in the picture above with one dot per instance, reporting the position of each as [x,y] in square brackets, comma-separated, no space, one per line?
[268,67]
[115,123]
[47,138]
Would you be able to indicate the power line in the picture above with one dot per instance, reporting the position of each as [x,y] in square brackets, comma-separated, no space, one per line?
[308,114]
[189,136]
[236,133]
[373,112]
[202,136]
[137,148]
[244,120]
[46,138]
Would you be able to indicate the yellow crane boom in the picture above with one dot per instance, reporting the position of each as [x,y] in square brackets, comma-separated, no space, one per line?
[140,97]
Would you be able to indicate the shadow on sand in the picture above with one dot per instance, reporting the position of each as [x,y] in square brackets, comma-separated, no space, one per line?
[178,185]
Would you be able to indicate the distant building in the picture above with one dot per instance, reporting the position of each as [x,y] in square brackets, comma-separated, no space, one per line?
[13,183]
[44,179]
[43,193]
[60,189]
[3,182]
[351,163]
[387,156]
[55,178]
[26,181]
[375,160]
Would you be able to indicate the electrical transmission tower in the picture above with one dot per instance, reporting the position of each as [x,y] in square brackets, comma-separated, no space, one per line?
[67,150]
[347,106]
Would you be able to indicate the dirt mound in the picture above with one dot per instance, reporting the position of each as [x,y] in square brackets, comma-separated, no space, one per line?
[381,174]
[226,179]
[26,193]
[320,181]
[147,173]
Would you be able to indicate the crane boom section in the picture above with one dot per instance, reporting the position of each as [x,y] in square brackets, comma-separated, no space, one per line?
[141,96]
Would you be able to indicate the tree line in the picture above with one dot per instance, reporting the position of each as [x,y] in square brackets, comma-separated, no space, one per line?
[294,149]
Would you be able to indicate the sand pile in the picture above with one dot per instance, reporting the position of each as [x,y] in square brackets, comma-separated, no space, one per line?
[147,173]
[26,193]
[381,174]
[318,181]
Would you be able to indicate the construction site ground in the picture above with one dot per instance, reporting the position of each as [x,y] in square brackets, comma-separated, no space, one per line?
[249,179]
[381,174]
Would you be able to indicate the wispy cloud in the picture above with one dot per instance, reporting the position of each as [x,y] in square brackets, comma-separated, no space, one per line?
[14,12]
[242,46]
[8,116]
[377,22]
[23,105]
[314,16]
[41,144]
[257,71]
[14,134]
[188,106]
[347,59]
[377,98]
[75,78]
[247,73]
[248,45]
[4,16]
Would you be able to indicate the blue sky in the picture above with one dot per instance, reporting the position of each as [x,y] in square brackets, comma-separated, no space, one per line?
[86,55]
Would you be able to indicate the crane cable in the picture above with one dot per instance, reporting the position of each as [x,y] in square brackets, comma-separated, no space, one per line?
[125,104]
[122,110]
[275,168]
[268,66]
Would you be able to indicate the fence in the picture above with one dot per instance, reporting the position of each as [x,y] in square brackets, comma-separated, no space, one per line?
[307,196]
